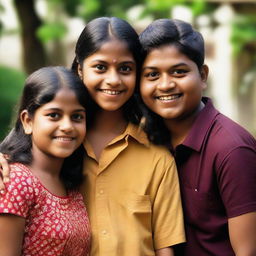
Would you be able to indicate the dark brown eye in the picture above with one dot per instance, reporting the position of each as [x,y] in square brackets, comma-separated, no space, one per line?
[100,67]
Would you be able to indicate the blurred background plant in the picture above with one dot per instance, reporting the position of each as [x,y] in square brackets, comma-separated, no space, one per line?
[44,32]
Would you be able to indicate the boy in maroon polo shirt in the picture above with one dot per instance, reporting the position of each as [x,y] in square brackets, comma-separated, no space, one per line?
[216,157]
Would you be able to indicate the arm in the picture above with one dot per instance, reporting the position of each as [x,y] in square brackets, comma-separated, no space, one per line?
[238,192]
[11,234]
[242,232]
[168,226]
[4,172]
[168,251]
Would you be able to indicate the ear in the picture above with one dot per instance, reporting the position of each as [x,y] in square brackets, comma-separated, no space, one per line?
[204,71]
[26,122]
[80,71]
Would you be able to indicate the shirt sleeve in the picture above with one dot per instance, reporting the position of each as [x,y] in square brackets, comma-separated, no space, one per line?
[19,194]
[237,181]
[168,222]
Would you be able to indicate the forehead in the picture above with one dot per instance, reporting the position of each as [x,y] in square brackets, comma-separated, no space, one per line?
[166,54]
[114,50]
[64,96]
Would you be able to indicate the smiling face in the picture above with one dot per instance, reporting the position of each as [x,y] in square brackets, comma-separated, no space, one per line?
[57,127]
[171,84]
[110,75]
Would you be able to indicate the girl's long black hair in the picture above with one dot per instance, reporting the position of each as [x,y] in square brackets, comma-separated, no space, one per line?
[94,35]
[41,88]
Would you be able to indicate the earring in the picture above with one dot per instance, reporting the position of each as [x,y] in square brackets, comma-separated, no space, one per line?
[28,131]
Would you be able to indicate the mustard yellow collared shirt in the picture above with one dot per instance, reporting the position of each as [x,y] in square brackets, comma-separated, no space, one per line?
[132,197]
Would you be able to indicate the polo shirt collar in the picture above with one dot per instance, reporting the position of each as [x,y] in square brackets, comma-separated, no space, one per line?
[201,126]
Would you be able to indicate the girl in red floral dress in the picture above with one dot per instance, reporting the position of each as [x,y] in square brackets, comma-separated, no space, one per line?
[42,213]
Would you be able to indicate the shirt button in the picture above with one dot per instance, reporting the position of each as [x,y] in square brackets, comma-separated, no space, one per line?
[101,191]
[104,232]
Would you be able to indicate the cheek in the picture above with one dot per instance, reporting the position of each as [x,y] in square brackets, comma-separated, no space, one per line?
[130,81]
[145,92]
[89,78]
[82,130]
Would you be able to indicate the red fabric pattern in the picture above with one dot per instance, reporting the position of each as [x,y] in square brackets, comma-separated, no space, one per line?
[54,225]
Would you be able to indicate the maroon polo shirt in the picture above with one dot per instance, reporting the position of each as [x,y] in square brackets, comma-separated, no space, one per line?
[217,170]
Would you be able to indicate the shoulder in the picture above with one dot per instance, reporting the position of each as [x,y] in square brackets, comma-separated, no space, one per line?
[21,175]
[156,153]
[226,135]
[160,152]
[22,181]
[19,191]
[139,143]
[231,146]
[19,170]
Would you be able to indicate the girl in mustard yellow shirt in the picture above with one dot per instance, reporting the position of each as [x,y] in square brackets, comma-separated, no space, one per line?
[131,187]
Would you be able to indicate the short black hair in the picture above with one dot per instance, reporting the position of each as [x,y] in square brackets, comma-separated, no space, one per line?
[189,42]
[174,32]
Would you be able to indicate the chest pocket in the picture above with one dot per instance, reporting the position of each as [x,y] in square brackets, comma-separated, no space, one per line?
[137,204]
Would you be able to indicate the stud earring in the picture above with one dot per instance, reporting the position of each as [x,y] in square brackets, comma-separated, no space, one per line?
[28,131]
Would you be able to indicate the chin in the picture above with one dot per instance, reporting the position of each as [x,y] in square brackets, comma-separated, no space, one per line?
[168,115]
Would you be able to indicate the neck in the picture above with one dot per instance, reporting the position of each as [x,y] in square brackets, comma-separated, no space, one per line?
[47,170]
[179,128]
[46,165]
[109,122]
[107,126]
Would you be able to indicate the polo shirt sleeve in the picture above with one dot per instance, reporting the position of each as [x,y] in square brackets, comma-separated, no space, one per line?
[237,181]
[168,227]
[19,194]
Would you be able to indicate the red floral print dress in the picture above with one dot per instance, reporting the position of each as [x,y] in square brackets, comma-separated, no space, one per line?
[54,225]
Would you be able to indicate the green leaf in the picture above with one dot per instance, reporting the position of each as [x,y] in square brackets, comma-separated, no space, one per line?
[51,31]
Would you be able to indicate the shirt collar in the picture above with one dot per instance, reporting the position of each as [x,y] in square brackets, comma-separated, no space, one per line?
[201,125]
[131,130]
[135,132]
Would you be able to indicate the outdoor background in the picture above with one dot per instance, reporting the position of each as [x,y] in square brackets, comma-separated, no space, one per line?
[36,33]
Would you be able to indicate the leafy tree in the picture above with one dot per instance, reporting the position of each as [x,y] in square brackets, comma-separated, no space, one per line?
[34,55]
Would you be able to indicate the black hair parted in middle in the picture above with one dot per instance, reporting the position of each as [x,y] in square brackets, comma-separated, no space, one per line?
[97,32]
[40,88]
[101,30]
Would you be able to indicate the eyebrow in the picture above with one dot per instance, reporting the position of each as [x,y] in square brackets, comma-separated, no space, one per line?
[59,109]
[122,62]
[174,66]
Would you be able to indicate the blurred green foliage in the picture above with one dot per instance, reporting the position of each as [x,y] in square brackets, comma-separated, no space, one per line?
[244,38]
[51,31]
[243,32]
[11,84]
[54,28]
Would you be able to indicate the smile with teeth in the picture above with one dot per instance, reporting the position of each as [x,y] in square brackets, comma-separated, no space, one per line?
[64,138]
[111,92]
[168,97]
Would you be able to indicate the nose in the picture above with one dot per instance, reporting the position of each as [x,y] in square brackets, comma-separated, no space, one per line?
[166,83]
[66,125]
[113,78]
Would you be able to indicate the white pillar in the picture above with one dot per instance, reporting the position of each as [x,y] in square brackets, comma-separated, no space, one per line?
[222,65]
